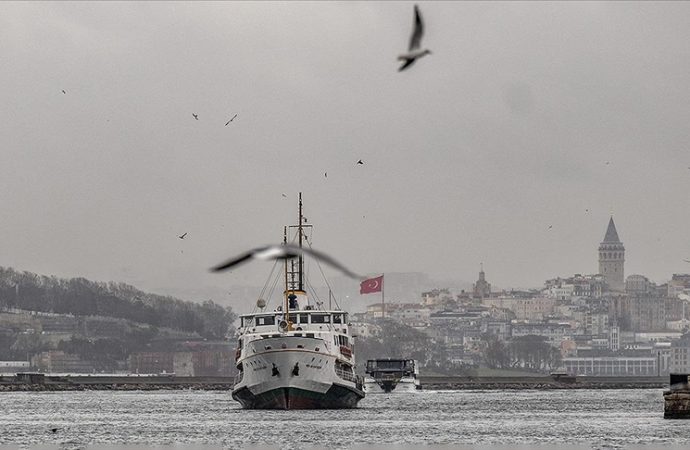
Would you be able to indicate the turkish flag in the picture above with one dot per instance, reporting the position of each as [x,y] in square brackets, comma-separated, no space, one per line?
[371,285]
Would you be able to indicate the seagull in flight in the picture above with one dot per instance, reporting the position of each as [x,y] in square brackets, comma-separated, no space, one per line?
[182,236]
[195,116]
[414,51]
[284,251]
[360,162]
[687,260]
[63,91]
[228,122]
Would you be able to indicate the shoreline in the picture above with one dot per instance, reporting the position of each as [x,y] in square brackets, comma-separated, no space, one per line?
[54,383]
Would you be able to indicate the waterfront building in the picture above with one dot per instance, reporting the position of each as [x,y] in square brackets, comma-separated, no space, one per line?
[680,355]
[611,365]
[612,258]
[57,361]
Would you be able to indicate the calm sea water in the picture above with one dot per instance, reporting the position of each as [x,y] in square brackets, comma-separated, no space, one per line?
[479,419]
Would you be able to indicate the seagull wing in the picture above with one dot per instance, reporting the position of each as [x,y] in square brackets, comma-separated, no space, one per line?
[416,39]
[687,260]
[240,259]
[407,64]
[331,262]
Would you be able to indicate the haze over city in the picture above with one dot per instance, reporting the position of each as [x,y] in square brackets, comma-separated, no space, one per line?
[511,145]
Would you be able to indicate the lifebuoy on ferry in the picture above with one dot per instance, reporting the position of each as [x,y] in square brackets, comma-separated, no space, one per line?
[283,325]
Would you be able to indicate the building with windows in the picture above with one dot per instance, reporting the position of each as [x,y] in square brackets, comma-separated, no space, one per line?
[612,258]
[611,366]
[680,356]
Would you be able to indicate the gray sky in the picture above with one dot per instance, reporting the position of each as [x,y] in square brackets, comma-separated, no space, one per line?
[470,154]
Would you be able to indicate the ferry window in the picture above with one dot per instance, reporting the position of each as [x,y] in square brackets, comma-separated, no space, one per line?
[304,318]
[337,318]
[310,335]
[292,318]
[320,318]
[266,320]
[345,343]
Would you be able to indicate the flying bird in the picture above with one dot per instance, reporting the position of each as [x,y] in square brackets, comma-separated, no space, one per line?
[325,174]
[195,116]
[414,52]
[284,251]
[284,195]
[550,226]
[687,260]
[63,91]
[182,237]
[228,122]
[360,162]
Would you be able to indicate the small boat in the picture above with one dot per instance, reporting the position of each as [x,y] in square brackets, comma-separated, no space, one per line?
[392,374]
[298,356]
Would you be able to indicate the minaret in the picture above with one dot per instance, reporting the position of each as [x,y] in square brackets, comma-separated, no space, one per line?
[612,258]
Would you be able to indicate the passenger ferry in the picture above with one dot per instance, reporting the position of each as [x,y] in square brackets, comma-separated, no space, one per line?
[392,374]
[298,356]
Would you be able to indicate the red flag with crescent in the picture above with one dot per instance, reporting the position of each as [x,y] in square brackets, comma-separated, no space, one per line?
[371,285]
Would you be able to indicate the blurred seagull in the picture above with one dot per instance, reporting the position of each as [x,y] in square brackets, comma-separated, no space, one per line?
[284,195]
[414,52]
[63,91]
[325,174]
[360,162]
[182,237]
[195,116]
[285,251]
[228,122]
[687,260]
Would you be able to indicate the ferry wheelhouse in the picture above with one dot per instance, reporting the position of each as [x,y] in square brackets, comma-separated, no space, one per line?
[297,356]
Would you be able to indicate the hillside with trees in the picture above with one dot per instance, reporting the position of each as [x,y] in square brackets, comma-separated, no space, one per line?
[81,297]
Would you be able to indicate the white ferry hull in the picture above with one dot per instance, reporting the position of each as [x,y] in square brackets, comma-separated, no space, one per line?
[293,378]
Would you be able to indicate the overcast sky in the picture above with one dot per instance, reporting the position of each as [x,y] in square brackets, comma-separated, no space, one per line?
[526,115]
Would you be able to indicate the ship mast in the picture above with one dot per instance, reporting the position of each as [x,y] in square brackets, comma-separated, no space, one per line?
[286,307]
[300,261]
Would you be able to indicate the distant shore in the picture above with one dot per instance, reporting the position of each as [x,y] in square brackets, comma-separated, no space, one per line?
[171,382]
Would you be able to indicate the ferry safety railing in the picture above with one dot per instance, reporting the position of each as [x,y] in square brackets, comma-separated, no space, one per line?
[345,374]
